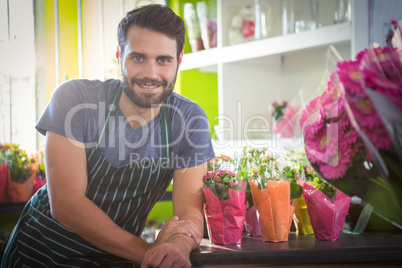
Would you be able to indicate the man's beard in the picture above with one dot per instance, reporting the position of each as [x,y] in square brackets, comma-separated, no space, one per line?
[147,100]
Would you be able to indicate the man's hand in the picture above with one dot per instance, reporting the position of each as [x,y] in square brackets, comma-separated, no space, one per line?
[172,253]
[175,226]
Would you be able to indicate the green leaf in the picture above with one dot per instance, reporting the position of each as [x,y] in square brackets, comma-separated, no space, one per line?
[295,190]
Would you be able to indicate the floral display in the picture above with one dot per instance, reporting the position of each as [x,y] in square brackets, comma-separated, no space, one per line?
[351,130]
[273,194]
[327,209]
[284,118]
[40,178]
[224,206]
[4,173]
[20,175]
[298,165]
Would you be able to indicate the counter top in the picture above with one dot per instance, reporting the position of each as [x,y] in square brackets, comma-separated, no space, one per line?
[302,249]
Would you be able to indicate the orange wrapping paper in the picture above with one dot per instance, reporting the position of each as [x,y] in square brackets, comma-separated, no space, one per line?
[275,209]
[21,192]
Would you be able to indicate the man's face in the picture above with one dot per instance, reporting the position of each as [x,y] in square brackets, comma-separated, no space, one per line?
[149,66]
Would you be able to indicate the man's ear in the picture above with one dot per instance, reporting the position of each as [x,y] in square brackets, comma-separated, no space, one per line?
[118,54]
[181,57]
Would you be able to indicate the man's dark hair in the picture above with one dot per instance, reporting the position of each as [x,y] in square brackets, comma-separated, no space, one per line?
[156,18]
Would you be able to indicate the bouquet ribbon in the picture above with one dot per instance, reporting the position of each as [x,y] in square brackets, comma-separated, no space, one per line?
[225,218]
[276,212]
[326,215]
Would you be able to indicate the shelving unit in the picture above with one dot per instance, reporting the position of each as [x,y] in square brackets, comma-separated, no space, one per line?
[290,67]
[280,45]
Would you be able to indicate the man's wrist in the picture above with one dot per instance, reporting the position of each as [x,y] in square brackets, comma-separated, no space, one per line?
[184,240]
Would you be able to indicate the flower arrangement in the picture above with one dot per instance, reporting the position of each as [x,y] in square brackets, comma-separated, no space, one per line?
[17,161]
[273,194]
[278,110]
[322,209]
[224,206]
[21,172]
[283,118]
[38,157]
[221,181]
[350,130]
[220,162]
[40,178]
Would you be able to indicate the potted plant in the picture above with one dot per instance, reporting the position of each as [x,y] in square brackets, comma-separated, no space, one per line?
[22,172]
[224,206]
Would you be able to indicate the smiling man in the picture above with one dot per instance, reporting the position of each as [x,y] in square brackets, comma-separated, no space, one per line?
[112,148]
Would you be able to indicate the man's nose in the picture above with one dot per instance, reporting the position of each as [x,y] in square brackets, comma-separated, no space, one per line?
[150,70]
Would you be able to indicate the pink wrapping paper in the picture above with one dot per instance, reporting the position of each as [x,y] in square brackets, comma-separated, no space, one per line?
[251,222]
[38,183]
[225,218]
[3,180]
[326,215]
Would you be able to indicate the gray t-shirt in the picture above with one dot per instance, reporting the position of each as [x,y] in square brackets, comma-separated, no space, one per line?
[78,107]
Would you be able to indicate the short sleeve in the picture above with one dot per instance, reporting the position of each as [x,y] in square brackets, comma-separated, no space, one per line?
[195,146]
[64,114]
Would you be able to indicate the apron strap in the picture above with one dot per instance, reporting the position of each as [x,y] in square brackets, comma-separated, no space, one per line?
[100,134]
[166,135]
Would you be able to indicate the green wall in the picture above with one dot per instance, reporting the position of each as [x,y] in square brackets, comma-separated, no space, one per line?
[201,87]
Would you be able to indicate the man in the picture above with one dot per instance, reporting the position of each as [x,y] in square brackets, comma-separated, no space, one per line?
[111,151]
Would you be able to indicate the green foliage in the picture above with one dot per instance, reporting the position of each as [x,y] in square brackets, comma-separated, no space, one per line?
[17,161]
[221,181]
[40,163]
[325,188]
[279,109]
[259,166]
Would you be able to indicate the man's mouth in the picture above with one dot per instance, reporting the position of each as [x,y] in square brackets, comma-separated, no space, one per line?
[146,86]
[148,83]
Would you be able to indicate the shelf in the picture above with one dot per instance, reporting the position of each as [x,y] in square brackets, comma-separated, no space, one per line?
[11,207]
[334,34]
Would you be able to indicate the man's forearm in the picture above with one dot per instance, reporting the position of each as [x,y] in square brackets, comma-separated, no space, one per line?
[88,221]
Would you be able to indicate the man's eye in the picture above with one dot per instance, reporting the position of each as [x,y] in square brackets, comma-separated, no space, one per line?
[164,60]
[137,58]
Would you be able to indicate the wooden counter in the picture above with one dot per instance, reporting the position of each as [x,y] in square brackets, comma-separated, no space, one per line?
[368,249]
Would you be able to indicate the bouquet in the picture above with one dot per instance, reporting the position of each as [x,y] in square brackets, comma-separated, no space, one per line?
[273,196]
[4,173]
[284,119]
[298,164]
[352,131]
[249,159]
[21,172]
[224,206]
[327,209]
[40,178]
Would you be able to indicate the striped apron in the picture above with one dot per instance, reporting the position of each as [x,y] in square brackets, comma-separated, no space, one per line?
[126,194]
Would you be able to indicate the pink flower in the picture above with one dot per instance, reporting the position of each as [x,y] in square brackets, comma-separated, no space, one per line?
[364,112]
[231,182]
[349,75]
[320,147]
[309,169]
[380,138]
[312,119]
[221,184]
[288,122]
[349,138]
